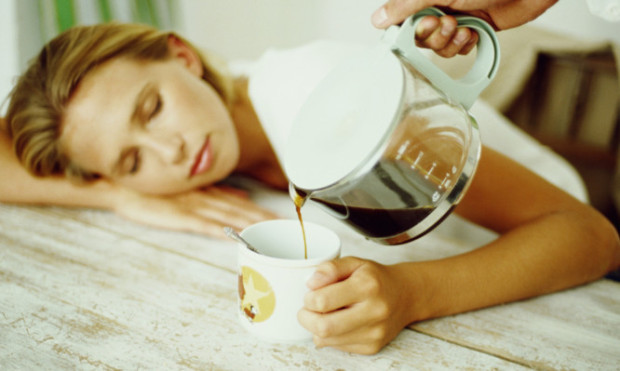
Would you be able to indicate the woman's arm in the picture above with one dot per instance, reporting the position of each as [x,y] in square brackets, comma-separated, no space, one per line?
[549,241]
[18,186]
[205,211]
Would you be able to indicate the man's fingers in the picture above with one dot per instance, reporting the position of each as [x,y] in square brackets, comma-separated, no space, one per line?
[426,27]
[396,11]
[441,36]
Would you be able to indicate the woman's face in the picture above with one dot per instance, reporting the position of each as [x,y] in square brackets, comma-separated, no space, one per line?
[155,127]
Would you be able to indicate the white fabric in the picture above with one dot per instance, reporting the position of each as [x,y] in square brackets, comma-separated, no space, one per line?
[609,10]
[280,81]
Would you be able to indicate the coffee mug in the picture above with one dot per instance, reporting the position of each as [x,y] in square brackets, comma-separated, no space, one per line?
[272,282]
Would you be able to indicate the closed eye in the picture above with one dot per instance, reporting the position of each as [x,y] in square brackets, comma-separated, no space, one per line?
[157,107]
[130,161]
[136,159]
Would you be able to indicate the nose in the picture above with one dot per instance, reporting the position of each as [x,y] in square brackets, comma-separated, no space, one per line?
[169,148]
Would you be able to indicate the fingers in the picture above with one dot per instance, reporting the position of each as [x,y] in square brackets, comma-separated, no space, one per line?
[500,14]
[231,190]
[444,37]
[395,11]
[438,34]
[333,271]
[366,340]
[351,281]
[360,328]
[332,297]
[223,207]
[345,319]
[204,212]
[162,214]
[201,226]
[342,303]
[347,330]
[229,207]
[355,307]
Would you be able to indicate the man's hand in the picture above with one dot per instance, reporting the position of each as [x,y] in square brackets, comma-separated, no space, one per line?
[442,35]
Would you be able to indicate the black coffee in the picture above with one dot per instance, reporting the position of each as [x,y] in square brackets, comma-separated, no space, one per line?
[389,200]
[376,223]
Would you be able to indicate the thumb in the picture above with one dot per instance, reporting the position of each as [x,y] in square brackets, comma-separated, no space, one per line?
[333,271]
[395,11]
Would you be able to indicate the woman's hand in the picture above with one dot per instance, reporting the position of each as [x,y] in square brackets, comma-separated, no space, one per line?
[204,211]
[355,305]
[442,35]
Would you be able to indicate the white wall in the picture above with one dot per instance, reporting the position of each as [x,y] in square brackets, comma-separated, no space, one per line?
[9,65]
[573,17]
[245,28]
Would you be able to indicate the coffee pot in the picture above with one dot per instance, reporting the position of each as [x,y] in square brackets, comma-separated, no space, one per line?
[385,142]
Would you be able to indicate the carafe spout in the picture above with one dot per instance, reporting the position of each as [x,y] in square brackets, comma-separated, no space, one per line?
[298,196]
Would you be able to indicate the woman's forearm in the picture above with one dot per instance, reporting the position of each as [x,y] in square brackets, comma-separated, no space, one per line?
[552,253]
[19,186]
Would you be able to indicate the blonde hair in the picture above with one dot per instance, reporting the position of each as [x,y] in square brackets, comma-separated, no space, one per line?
[38,99]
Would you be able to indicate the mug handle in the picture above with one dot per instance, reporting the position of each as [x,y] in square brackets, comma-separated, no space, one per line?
[466,89]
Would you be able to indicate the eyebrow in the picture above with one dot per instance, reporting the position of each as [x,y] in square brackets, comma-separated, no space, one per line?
[135,116]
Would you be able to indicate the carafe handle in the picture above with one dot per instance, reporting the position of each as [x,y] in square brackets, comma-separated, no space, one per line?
[466,89]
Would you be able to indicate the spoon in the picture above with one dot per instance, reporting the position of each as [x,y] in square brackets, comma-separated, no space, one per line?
[235,236]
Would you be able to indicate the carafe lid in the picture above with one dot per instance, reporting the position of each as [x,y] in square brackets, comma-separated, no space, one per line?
[345,120]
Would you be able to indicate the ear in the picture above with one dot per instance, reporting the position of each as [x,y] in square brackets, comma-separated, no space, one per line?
[183,53]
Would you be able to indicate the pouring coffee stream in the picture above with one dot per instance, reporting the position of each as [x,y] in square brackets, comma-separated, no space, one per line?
[299,202]
[385,142]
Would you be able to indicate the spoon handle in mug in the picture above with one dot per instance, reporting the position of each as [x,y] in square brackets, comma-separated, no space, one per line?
[235,236]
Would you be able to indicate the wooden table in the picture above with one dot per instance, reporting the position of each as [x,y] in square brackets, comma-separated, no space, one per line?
[83,289]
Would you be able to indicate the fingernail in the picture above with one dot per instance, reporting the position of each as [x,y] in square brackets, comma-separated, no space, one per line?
[425,24]
[379,17]
[318,279]
[460,38]
[447,29]
[472,40]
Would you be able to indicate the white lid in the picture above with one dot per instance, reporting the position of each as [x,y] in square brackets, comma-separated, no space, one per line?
[345,119]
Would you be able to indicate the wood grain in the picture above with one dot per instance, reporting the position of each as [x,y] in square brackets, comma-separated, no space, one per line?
[84,289]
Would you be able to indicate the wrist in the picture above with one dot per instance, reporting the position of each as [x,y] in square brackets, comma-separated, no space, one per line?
[109,196]
[414,292]
[119,197]
[423,295]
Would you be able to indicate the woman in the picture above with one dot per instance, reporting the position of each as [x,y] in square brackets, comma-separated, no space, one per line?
[39,100]
[147,128]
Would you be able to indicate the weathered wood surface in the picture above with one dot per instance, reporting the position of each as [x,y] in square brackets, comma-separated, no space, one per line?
[578,329]
[83,289]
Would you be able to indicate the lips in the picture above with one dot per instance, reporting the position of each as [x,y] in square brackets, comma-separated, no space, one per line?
[204,159]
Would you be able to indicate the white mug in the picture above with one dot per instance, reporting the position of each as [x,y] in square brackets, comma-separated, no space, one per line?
[272,283]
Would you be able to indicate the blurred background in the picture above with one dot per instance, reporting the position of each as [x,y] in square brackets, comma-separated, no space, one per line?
[558,78]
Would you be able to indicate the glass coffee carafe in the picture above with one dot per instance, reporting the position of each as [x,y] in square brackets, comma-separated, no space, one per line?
[385,142]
